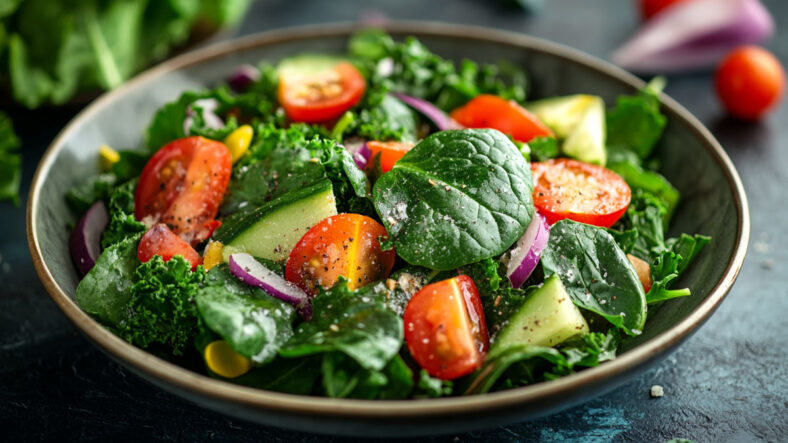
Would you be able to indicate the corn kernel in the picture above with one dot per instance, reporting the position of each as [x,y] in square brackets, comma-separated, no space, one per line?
[213,255]
[107,158]
[222,360]
[238,141]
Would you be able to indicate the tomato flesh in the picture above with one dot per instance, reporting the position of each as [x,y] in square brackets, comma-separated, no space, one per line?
[161,241]
[750,82]
[390,152]
[445,329]
[182,185]
[344,245]
[490,111]
[323,96]
[566,188]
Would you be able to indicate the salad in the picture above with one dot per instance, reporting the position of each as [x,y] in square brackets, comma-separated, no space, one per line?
[383,224]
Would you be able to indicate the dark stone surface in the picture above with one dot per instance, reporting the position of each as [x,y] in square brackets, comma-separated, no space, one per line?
[729,382]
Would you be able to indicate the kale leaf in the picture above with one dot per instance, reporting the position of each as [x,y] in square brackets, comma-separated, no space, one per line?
[596,274]
[628,165]
[252,322]
[81,196]
[456,198]
[122,222]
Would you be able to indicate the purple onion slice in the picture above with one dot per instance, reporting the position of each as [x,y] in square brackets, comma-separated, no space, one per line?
[526,253]
[85,240]
[251,272]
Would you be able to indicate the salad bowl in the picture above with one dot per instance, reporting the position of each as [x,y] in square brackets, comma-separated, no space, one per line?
[714,204]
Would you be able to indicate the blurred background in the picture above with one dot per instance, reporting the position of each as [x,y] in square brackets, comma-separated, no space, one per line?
[725,384]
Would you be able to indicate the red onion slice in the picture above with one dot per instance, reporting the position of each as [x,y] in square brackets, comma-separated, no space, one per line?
[360,151]
[207,106]
[251,272]
[441,120]
[526,253]
[85,240]
[695,34]
[244,76]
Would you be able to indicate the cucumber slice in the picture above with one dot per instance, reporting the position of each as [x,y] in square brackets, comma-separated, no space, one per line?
[561,114]
[579,120]
[272,230]
[306,64]
[547,318]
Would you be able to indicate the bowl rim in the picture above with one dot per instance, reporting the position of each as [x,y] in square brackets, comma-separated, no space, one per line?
[217,390]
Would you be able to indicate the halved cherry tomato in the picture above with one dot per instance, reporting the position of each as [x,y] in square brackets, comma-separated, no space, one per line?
[161,241]
[390,152]
[182,185]
[565,188]
[750,82]
[445,328]
[345,245]
[490,111]
[643,270]
[650,8]
[323,96]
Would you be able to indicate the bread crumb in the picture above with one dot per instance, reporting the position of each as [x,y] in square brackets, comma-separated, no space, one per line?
[657,391]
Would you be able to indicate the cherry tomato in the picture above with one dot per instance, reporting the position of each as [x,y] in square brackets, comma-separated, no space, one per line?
[643,270]
[322,96]
[161,241]
[489,111]
[750,81]
[445,328]
[182,185]
[565,188]
[345,245]
[390,152]
[650,8]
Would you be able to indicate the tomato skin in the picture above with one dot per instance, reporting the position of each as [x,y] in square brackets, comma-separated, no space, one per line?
[445,329]
[591,194]
[182,185]
[345,245]
[490,111]
[650,8]
[750,81]
[390,152]
[161,241]
[335,91]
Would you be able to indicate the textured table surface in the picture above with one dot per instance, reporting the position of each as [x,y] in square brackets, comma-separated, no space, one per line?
[729,382]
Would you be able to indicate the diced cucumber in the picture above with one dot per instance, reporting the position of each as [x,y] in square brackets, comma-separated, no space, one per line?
[306,64]
[272,230]
[547,318]
[586,142]
[579,120]
[561,114]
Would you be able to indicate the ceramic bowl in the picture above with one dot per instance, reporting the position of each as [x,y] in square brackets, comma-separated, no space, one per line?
[713,203]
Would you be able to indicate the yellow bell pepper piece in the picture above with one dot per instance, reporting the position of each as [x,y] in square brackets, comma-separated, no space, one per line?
[238,141]
[107,158]
[213,255]
[222,360]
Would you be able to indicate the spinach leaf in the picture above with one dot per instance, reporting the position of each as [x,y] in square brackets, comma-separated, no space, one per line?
[10,160]
[390,119]
[596,273]
[106,290]
[360,327]
[161,307]
[122,222]
[252,322]
[635,123]
[431,387]
[525,364]
[456,198]
[543,148]
[343,377]
[290,375]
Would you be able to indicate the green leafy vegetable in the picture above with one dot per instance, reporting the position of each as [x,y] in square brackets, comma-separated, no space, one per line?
[456,198]
[343,377]
[627,165]
[10,161]
[252,322]
[362,328]
[122,223]
[499,299]
[431,387]
[290,375]
[81,196]
[635,124]
[596,274]
[543,148]
[105,291]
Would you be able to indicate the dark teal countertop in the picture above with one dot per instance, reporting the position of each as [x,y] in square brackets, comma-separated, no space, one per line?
[729,382]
